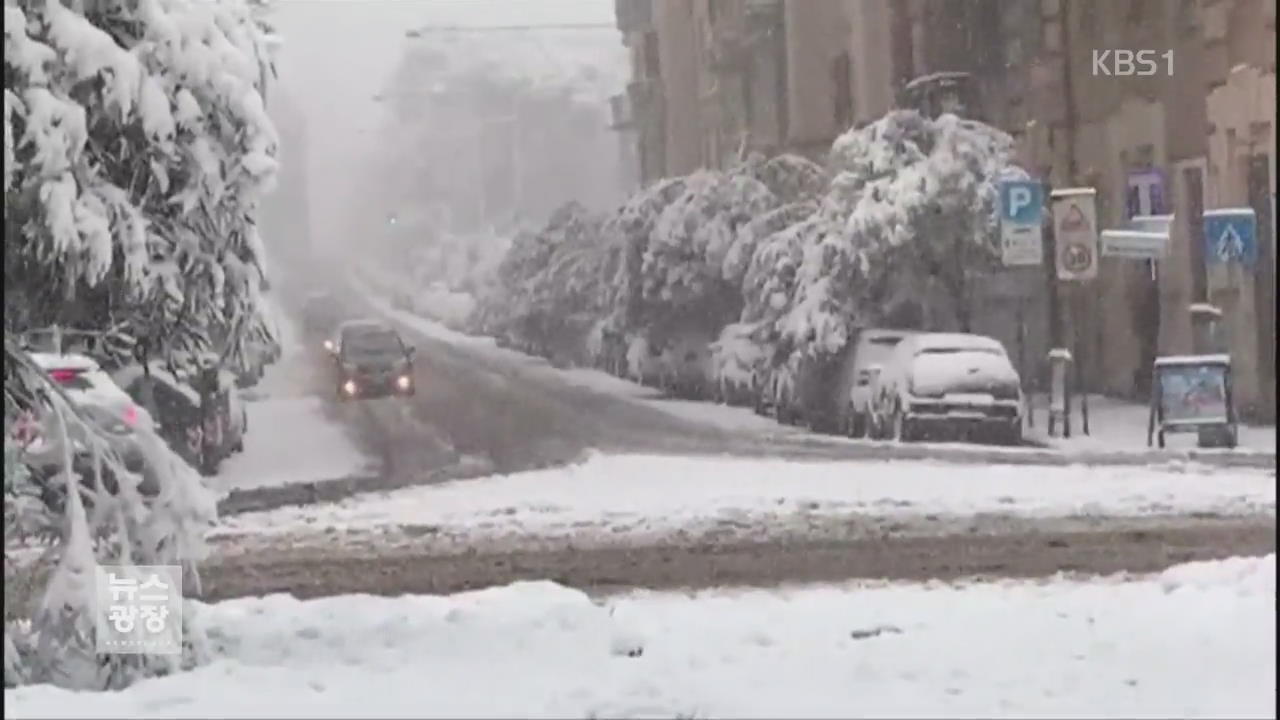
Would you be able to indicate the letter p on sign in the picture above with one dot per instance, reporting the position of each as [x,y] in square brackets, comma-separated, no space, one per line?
[1019,199]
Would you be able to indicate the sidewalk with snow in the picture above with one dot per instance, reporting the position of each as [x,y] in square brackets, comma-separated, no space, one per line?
[1195,641]
[628,497]
[1122,425]
[1116,426]
[290,439]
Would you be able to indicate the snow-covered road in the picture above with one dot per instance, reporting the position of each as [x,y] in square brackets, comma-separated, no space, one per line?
[1194,641]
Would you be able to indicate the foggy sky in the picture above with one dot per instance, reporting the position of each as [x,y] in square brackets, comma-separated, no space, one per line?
[338,54]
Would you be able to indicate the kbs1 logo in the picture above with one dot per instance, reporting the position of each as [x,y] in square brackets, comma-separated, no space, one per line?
[1132,63]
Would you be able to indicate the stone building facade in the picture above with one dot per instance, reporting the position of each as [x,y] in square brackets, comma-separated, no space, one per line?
[802,71]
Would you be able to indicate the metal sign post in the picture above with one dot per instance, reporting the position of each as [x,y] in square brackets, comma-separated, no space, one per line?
[1075,231]
[1022,245]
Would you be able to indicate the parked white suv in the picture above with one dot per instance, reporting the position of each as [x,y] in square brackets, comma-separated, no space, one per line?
[873,350]
[947,384]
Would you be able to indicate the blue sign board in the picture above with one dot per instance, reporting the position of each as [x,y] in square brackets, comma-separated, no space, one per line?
[1021,201]
[1021,215]
[1231,236]
[1146,194]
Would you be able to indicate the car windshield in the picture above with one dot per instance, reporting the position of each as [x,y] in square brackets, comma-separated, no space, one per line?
[372,343]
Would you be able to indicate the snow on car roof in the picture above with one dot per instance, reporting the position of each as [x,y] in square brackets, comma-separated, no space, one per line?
[1211,359]
[363,325]
[954,341]
[128,375]
[879,333]
[70,361]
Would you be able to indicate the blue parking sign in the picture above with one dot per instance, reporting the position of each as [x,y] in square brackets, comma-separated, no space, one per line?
[1231,236]
[1021,211]
[1021,201]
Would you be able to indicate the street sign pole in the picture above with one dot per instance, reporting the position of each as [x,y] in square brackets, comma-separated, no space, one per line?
[1022,213]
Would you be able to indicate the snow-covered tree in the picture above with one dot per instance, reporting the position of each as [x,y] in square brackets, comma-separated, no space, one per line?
[136,149]
[683,270]
[140,149]
[551,282]
[911,205]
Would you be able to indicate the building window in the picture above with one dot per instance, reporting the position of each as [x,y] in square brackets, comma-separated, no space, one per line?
[652,66]
[1137,12]
[841,78]
[1189,16]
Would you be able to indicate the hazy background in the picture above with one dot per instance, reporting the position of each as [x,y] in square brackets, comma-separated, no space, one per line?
[346,153]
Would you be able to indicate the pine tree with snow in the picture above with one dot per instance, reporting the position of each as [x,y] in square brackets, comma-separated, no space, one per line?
[136,149]
[140,149]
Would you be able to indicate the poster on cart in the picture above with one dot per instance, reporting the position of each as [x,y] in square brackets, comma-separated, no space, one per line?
[1193,394]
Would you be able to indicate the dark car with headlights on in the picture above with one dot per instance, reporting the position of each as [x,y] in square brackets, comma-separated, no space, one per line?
[372,361]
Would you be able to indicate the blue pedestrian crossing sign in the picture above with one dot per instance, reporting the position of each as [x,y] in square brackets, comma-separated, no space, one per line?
[1231,236]
[1021,214]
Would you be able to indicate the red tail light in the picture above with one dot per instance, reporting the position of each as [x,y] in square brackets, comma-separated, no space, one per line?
[63,376]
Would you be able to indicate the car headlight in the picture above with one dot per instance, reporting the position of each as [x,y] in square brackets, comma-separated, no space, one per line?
[404,382]
[349,387]
[328,345]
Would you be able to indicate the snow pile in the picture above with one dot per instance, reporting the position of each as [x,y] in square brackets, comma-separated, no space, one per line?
[628,496]
[1082,648]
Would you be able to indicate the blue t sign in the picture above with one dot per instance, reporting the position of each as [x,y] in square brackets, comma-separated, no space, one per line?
[1230,236]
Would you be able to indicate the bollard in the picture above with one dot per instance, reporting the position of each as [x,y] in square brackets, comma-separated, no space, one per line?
[1059,392]
[1206,329]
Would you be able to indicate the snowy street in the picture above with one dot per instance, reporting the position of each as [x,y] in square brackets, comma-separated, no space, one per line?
[636,359]
[1193,641]
[580,476]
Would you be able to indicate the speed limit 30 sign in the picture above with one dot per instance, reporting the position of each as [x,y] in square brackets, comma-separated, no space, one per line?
[1075,230]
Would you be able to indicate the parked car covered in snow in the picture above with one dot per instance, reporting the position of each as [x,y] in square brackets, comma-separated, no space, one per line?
[94,394]
[203,436]
[943,384]
[873,349]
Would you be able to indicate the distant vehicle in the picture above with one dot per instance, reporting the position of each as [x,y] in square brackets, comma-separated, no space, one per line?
[372,361]
[948,383]
[873,349]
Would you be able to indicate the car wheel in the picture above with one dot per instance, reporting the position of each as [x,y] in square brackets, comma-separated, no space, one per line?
[1012,435]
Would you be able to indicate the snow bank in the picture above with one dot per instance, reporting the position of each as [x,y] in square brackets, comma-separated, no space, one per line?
[631,495]
[1115,647]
